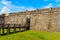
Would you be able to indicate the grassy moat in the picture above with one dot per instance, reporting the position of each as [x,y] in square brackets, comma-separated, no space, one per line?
[32,35]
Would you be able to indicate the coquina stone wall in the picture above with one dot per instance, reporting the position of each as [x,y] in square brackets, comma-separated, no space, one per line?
[41,20]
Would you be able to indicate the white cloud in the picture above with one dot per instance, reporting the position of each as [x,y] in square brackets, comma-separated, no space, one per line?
[31,8]
[51,5]
[5,10]
[57,0]
[53,0]
[9,7]
[6,2]
[48,6]
[59,5]
[23,8]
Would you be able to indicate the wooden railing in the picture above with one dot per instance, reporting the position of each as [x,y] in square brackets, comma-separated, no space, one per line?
[12,26]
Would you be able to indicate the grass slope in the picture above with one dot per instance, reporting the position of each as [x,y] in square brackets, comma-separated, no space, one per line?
[32,35]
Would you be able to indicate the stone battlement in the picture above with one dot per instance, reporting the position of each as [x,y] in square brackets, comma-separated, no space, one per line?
[38,11]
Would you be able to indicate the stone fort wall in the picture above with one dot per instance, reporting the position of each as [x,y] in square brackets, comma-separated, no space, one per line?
[44,19]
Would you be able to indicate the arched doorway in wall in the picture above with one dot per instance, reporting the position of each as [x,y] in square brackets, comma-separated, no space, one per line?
[28,23]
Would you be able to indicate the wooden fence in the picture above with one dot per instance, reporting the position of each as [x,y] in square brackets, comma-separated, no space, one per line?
[12,26]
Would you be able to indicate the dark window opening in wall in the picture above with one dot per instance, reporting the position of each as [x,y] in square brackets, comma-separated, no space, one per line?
[28,23]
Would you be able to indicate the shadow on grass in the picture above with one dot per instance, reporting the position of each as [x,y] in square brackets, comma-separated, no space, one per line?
[41,37]
[12,32]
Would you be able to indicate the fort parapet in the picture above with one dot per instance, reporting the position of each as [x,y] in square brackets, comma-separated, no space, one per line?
[41,19]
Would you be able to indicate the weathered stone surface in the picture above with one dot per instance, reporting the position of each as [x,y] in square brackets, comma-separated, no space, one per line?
[41,20]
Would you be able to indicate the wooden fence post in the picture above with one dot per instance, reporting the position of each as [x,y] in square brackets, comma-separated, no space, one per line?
[3,29]
[0,30]
[8,29]
[19,26]
[14,28]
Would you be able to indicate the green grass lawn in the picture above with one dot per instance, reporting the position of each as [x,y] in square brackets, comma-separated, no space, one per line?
[32,35]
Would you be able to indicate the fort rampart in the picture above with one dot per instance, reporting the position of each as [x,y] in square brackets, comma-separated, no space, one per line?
[41,19]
